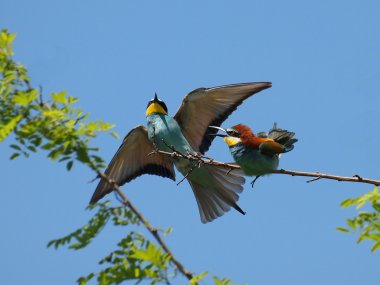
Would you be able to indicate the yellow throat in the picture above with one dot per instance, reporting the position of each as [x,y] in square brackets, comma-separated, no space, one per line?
[231,141]
[155,108]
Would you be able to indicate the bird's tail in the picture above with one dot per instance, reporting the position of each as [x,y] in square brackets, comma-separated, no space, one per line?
[217,193]
[282,137]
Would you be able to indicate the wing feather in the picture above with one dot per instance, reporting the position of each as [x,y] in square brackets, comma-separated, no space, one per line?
[211,106]
[132,160]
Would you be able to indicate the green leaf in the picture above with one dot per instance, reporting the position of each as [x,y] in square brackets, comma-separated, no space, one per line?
[32,148]
[351,224]
[54,114]
[197,278]
[6,129]
[347,203]
[223,281]
[115,135]
[342,229]
[13,156]
[75,246]
[16,147]
[59,97]
[25,98]
[84,280]
[69,165]
[50,243]
[376,246]
[151,254]
[54,154]
[168,231]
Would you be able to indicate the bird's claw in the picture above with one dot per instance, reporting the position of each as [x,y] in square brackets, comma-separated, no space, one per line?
[254,180]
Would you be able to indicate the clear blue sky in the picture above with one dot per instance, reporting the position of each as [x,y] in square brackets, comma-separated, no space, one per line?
[323,58]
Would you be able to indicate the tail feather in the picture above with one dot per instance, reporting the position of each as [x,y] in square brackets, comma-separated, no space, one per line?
[282,137]
[213,201]
[234,177]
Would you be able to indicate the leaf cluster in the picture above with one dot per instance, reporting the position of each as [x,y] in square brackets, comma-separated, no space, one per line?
[367,223]
[135,258]
[56,126]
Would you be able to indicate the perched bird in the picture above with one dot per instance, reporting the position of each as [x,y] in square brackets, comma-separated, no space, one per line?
[259,154]
[188,133]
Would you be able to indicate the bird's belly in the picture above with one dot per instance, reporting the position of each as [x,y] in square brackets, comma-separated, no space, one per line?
[255,163]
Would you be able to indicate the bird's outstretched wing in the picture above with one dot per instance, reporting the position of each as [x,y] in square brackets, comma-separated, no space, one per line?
[132,160]
[211,106]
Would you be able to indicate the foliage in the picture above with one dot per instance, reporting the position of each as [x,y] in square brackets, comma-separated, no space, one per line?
[367,223]
[56,126]
[135,258]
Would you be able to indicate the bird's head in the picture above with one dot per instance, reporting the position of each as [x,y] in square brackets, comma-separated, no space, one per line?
[237,134]
[156,106]
[231,136]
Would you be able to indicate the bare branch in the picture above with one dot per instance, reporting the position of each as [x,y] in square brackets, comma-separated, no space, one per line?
[318,175]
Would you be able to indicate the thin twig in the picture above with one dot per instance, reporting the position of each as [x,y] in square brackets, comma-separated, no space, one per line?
[318,175]
[314,179]
[146,223]
[187,174]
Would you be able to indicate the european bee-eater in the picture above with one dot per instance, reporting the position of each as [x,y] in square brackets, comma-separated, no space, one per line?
[188,133]
[259,154]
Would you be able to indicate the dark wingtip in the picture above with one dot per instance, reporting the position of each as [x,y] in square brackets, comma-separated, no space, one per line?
[265,85]
[237,208]
[97,196]
[93,200]
[101,190]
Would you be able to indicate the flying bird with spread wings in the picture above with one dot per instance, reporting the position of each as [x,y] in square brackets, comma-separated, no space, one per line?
[188,132]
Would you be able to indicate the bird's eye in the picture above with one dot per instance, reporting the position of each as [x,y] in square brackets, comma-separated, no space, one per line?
[233,134]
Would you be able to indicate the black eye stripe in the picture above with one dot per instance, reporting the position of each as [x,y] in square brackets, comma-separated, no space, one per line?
[233,134]
[164,106]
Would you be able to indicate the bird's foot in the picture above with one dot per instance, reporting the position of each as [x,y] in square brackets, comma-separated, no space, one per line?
[254,180]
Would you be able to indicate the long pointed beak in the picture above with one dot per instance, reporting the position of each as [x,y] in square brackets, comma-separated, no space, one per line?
[155,97]
[216,134]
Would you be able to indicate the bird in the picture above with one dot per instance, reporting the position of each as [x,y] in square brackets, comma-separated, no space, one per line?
[257,155]
[186,132]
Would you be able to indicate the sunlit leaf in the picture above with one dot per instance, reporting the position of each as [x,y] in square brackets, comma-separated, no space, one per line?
[59,97]
[342,229]
[6,129]
[198,278]
[375,247]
